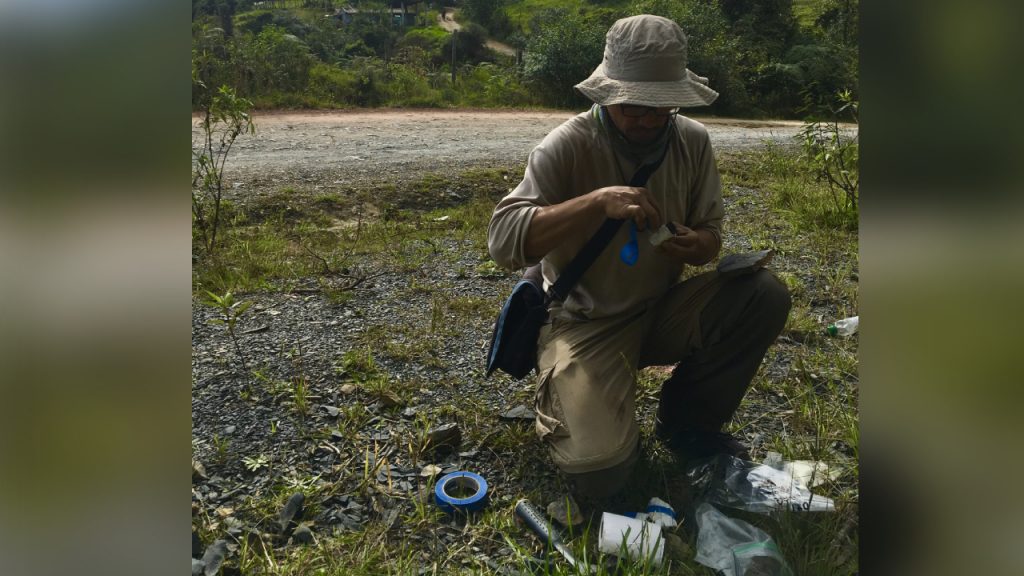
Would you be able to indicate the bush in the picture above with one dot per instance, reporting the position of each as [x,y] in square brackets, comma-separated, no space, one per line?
[780,89]
[272,60]
[435,44]
[563,51]
[254,22]
[332,85]
[404,86]
[211,63]
[824,72]
[834,156]
[470,44]
[490,14]
[490,85]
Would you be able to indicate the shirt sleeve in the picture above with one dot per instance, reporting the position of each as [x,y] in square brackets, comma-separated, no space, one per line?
[510,222]
[706,209]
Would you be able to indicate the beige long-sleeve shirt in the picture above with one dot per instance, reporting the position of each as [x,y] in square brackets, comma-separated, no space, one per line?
[577,158]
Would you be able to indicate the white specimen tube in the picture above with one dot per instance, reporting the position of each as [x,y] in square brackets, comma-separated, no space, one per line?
[642,539]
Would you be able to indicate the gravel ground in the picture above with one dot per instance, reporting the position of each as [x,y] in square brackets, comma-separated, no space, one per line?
[302,336]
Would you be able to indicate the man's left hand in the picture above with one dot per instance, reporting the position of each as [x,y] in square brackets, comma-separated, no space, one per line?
[694,247]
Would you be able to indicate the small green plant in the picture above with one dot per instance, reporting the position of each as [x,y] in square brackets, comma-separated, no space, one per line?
[257,463]
[308,485]
[300,395]
[834,155]
[489,269]
[230,311]
[299,384]
[437,309]
[220,448]
[224,117]
[358,365]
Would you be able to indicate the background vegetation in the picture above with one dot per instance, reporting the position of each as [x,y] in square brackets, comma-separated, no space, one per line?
[777,58]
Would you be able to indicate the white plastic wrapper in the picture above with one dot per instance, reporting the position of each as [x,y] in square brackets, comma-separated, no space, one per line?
[660,235]
[736,483]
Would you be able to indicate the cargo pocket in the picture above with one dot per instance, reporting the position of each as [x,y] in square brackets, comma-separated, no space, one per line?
[550,417]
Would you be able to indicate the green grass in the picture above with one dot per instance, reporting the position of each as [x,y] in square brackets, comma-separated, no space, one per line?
[805,406]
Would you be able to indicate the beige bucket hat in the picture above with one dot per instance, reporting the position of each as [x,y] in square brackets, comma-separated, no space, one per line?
[645,63]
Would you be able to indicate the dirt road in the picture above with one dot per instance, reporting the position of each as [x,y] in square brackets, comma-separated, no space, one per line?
[448,23]
[326,149]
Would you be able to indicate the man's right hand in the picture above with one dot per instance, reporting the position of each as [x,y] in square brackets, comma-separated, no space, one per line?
[582,215]
[630,203]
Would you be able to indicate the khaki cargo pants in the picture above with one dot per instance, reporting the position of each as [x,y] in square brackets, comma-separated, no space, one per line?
[716,328]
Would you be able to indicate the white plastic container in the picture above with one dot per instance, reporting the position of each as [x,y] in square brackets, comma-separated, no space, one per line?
[643,539]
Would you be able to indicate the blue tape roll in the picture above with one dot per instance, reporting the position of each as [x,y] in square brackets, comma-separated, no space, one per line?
[467,480]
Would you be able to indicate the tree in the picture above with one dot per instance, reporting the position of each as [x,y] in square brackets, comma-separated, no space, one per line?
[223,10]
[766,27]
[488,13]
[840,21]
[271,60]
[563,50]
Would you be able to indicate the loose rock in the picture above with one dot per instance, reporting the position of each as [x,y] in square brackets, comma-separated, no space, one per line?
[302,534]
[445,435]
[214,557]
[292,512]
[389,399]
[520,412]
[676,549]
[565,511]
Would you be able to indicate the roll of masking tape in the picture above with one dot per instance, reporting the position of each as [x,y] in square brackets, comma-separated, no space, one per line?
[461,492]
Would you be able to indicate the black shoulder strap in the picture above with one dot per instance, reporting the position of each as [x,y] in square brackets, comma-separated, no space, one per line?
[597,243]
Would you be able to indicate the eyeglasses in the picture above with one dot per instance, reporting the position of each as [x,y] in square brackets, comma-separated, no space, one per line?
[635,111]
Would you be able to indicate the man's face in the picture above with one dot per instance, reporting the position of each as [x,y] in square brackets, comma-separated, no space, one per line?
[640,124]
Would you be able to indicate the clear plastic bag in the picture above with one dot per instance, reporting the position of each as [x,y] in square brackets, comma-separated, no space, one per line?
[735,547]
[743,485]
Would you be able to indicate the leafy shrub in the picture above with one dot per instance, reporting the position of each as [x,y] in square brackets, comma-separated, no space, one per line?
[272,60]
[823,71]
[224,118]
[490,85]
[779,88]
[834,156]
[405,87]
[433,42]
[333,85]
[564,49]
[254,22]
